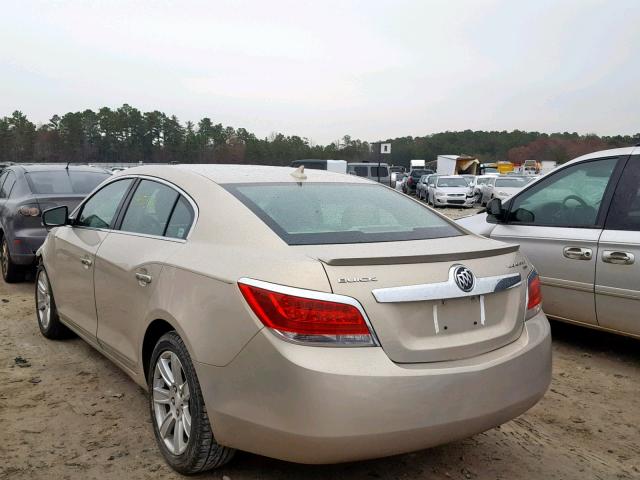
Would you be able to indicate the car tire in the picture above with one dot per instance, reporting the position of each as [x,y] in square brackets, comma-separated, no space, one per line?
[11,273]
[46,312]
[201,451]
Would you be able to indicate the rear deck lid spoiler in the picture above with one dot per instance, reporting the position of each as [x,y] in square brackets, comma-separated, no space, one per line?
[423,258]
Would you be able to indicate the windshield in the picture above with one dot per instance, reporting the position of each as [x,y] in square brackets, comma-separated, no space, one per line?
[512,182]
[329,213]
[64,181]
[452,182]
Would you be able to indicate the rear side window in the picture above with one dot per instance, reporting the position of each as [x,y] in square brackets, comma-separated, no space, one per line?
[383,172]
[8,184]
[361,171]
[64,181]
[330,213]
[99,210]
[181,220]
[149,209]
[624,213]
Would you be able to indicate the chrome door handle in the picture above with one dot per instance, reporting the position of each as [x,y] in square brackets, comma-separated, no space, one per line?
[619,258]
[143,278]
[577,253]
[87,262]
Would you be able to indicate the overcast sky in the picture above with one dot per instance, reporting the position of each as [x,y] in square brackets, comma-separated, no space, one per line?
[323,69]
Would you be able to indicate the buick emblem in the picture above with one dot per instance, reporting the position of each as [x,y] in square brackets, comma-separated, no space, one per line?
[464,278]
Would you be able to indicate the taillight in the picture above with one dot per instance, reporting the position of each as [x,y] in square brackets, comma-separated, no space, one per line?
[534,294]
[29,211]
[305,316]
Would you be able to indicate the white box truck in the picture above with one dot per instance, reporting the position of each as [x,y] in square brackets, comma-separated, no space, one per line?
[416,164]
[456,165]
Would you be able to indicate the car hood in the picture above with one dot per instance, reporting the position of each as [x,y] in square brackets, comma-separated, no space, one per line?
[508,190]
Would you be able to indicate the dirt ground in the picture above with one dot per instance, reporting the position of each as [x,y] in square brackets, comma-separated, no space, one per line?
[68,413]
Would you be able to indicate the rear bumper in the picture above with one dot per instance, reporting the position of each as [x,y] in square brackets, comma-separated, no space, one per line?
[329,405]
[24,244]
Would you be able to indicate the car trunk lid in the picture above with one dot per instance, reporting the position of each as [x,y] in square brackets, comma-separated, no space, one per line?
[418,311]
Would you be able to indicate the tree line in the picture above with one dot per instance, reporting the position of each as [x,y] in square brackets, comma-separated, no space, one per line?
[127,135]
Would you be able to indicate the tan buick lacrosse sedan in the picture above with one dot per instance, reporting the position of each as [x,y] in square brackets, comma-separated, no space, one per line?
[312,317]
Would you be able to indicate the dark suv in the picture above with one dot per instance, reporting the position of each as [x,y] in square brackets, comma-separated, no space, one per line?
[410,185]
[25,192]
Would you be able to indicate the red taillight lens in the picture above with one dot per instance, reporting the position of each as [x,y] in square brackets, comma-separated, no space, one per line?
[534,292]
[307,320]
[29,211]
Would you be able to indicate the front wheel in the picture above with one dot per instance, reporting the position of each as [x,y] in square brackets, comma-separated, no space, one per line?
[46,311]
[178,413]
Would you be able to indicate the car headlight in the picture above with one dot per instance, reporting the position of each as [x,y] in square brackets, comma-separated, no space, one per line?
[503,194]
[440,194]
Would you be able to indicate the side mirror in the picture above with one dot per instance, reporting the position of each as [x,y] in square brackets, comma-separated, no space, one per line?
[496,213]
[55,217]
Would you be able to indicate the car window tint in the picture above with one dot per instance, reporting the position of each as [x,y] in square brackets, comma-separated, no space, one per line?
[329,213]
[569,198]
[181,220]
[149,209]
[3,175]
[624,213]
[64,181]
[8,184]
[361,171]
[383,172]
[99,210]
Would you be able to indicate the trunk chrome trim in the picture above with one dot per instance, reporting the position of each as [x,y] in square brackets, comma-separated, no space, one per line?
[446,290]
[438,257]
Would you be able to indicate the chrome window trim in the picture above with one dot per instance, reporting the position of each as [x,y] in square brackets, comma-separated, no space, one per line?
[446,290]
[194,206]
[314,295]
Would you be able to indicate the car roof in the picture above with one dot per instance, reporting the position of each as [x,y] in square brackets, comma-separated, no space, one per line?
[53,167]
[224,174]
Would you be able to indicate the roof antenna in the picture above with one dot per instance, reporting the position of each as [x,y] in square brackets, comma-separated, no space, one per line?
[298,173]
[67,167]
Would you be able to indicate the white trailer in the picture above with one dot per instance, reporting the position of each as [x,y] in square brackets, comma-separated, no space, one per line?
[456,164]
[416,164]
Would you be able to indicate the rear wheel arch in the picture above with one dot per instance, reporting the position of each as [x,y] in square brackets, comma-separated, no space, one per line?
[155,330]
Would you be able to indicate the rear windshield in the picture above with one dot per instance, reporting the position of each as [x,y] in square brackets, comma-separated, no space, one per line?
[329,213]
[452,182]
[64,181]
[419,173]
[515,182]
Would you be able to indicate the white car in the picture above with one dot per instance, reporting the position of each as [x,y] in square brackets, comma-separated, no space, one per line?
[503,187]
[450,190]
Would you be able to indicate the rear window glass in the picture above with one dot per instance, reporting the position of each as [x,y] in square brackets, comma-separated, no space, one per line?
[329,213]
[63,181]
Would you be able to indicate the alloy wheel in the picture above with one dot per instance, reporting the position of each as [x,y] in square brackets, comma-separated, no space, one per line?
[43,300]
[171,404]
[4,257]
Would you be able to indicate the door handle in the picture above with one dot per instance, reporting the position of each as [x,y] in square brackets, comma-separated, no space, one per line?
[619,258]
[143,278]
[577,253]
[86,261]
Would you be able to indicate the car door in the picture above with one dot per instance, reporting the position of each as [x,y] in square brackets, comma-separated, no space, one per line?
[618,260]
[129,263]
[431,186]
[557,222]
[71,267]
